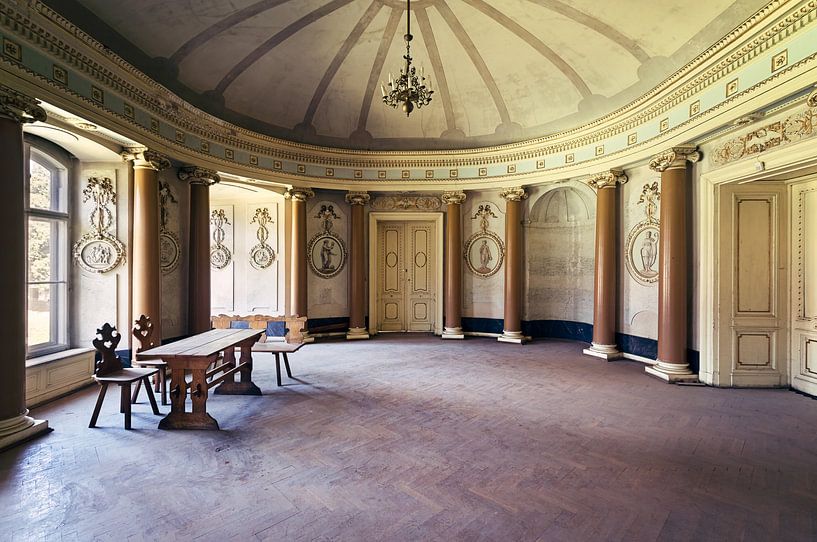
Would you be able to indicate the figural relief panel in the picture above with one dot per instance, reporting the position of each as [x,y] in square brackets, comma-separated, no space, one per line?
[641,247]
[98,251]
[169,244]
[326,251]
[484,250]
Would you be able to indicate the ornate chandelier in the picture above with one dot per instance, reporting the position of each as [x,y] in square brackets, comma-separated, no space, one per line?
[408,89]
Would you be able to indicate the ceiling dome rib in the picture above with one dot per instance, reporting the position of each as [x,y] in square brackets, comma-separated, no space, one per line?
[225,24]
[609,32]
[476,58]
[437,65]
[275,40]
[534,42]
[377,67]
[350,41]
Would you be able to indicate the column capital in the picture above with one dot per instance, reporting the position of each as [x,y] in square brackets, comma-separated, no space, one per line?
[144,158]
[19,107]
[198,175]
[516,193]
[676,157]
[607,179]
[456,198]
[299,194]
[811,101]
[358,198]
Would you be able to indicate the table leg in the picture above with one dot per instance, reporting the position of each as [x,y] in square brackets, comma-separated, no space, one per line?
[163,386]
[178,418]
[278,368]
[246,386]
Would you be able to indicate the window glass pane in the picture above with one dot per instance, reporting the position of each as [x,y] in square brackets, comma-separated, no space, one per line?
[41,186]
[47,183]
[41,315]
[41,245]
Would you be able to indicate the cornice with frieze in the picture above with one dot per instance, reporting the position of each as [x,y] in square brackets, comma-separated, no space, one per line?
[159,102]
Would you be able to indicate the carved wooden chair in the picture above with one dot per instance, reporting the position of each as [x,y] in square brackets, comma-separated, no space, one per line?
[143,332]
[109,370]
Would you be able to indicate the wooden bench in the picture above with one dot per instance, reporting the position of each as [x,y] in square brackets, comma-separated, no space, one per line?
[290,328]
[278,349]
[109,370]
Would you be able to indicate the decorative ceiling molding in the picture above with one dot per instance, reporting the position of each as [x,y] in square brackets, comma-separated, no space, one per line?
[80,72]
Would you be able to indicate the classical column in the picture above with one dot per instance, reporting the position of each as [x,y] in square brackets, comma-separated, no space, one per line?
[298,297]
[512,328]
[357,267]
[604,291]
[198,297]
[453,265]
[15,424]
[672,363]
[146,279]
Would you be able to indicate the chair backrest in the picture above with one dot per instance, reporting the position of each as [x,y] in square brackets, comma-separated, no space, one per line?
[106,341]
[143,332]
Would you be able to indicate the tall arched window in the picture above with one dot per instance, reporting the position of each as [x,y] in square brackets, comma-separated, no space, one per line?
[48,258]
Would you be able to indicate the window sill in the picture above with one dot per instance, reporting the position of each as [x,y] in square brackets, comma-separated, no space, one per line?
[56,356]
[55,375]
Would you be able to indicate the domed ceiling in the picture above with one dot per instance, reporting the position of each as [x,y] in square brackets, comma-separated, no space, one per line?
[503,71]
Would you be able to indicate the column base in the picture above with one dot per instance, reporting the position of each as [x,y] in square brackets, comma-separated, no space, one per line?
[515,337]
[609,352]
[453,333]
[20,428]
[356,333]
[671,372]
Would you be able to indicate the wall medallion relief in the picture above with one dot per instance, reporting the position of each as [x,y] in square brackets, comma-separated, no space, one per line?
[326,252]
[220,255]
[98,251]
[262,255]
[169,244]
[484,250]
[641,248]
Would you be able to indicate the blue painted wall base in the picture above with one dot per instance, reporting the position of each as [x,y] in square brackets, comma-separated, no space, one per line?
[577,331]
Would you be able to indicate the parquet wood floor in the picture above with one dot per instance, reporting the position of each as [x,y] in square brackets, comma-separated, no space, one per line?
[414,438]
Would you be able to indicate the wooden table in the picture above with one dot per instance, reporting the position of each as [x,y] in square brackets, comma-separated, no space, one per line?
[278,348]
[195,354]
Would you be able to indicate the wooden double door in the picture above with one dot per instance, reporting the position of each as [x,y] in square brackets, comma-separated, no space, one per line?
[406,282]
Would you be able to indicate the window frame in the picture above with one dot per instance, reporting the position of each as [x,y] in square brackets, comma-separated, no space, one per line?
[60,254]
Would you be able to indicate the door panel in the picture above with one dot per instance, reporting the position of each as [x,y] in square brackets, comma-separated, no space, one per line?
[421,282]
[804,287]
[406,262]
[390,265]
[752,280]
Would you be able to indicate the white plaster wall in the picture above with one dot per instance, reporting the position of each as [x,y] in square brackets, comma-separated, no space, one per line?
[637,303]
[559,237]
[174,284]
[328,297]
[482,297]
[99,298]
[240,288]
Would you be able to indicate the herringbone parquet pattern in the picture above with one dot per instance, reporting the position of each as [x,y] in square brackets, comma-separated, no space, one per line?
[414,438]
